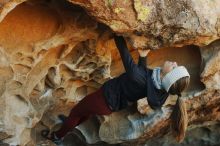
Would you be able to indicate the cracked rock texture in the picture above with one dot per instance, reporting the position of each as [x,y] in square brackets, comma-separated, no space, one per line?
[55,52]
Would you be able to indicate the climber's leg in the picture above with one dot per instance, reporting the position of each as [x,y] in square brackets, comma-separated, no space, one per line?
[92,104]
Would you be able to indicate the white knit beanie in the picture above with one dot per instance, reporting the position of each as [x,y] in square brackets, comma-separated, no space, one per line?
[171,77]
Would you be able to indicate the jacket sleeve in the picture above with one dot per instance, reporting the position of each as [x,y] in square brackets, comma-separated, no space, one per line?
[142,61]
[131,68]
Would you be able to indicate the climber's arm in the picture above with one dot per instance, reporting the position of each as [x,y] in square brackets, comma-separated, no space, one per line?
[129,65]
[142,61]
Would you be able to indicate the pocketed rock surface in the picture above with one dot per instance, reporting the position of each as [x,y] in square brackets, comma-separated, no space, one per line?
[55,52]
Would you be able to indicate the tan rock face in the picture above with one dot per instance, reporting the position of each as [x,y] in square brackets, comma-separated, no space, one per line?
[53,53]
[160,23]
[50,53]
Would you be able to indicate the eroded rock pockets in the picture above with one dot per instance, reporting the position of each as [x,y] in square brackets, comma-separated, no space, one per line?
[53,54]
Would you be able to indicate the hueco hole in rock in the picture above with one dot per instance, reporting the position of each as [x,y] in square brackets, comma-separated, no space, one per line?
[55,52]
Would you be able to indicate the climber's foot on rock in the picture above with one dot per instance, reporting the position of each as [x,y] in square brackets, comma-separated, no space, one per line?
[52,137]
[62,118]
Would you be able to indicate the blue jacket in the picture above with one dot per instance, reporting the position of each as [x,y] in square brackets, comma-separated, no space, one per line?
[134,84]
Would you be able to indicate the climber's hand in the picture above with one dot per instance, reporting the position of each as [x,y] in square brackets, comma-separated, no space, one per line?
[143,52]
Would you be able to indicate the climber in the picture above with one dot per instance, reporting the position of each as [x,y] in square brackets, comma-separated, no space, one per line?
[137,82]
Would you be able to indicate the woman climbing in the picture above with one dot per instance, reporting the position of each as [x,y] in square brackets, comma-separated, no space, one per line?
[137,82]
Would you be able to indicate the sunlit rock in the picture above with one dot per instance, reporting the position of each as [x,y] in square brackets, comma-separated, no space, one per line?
[55,52]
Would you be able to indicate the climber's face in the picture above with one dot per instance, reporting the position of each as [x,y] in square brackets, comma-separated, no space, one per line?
[168,66]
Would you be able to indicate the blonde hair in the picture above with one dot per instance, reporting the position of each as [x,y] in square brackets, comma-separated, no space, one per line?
[179,115]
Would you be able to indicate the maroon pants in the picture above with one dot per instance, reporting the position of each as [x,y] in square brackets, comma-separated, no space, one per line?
[92,104]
